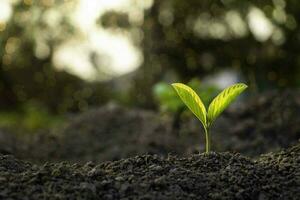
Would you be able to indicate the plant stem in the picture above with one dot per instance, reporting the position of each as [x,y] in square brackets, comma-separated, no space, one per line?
[207,140]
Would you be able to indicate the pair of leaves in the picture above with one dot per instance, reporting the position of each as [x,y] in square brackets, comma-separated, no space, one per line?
[217,106]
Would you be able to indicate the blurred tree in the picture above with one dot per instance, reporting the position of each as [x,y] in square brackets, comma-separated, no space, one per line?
[27,44]
[193,38]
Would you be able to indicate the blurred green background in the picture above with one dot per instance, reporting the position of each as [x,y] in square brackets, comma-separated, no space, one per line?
[65,56]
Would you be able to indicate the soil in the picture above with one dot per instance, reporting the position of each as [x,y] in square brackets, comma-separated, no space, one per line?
[204,176]
[118,153]
[262,124]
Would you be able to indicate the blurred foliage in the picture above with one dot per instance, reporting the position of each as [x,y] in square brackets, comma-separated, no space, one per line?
[169,101]
[27,44]
[259,39]
[30,118]
[179,40]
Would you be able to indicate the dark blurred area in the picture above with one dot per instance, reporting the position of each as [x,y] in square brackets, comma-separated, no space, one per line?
[256,42]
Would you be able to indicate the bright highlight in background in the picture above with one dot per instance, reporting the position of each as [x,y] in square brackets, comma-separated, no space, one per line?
[98,54]
[260,25]
[117,55]
[94,54]
[5,10]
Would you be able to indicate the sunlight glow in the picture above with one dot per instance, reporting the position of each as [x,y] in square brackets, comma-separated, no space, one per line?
[113,52]
[5,10]
[125,57]
[117,52]
[116,56]
[236,23]
[260,25]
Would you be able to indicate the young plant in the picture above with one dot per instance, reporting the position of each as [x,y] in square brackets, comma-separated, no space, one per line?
[216,107]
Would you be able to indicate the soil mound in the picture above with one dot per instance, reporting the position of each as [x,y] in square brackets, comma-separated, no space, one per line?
[276,126]
[204,176]
[265,123]
[262,124]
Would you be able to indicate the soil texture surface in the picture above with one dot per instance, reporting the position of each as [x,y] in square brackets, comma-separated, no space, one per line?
[262,124]
[202,176]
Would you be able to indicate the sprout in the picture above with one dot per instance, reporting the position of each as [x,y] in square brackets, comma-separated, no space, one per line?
[216,107]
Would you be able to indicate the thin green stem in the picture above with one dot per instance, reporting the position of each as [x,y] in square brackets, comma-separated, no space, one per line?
[207,140]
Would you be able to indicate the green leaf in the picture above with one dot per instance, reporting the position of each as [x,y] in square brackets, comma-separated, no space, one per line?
[222,101]
[191,100]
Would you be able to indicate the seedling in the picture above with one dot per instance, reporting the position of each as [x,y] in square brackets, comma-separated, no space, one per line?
[216,107]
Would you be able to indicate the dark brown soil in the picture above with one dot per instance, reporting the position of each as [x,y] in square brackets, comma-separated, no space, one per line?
[262,124]
[204,176]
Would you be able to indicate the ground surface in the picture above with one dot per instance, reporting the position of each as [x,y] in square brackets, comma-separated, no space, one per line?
[122,144]
[259,125]
[204,176]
